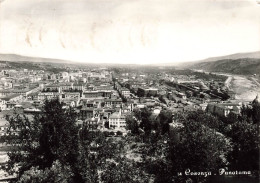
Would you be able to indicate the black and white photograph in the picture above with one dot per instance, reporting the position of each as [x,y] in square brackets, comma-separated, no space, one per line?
[129,91]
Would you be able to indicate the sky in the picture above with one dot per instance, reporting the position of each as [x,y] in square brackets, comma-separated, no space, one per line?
[129,31]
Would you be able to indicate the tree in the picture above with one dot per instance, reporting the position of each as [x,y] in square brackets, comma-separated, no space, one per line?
[132,124]
[56,173]
[122,170]
[206,119]
[50,136]
[146,120]
[106,124]
[245,154]
[140,92]
[256,112]
[200,148]
[165,117]
[155,158]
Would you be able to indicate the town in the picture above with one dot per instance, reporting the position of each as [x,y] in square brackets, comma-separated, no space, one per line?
[103,97]
[129,91]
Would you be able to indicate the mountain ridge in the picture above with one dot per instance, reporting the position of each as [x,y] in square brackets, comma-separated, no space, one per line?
[21,58]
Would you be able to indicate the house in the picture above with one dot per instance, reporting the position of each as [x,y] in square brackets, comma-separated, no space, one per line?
[92,94]
[117,120]
[93,123]
[71,95]
[4,124]
[112,102]
[48,95]
[86,113]
[223,109]
[32,96]
[125,92]
[65,86]
[54,87]
[2,104]
[70,102]
[181,95]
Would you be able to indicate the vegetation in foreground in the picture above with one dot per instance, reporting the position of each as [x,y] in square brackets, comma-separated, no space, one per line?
[52,148]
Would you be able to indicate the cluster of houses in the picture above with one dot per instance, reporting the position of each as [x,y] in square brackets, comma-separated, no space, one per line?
[103,99]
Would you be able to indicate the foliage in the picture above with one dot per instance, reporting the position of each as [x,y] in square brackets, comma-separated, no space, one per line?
[132,124]
[122,170]
[199,149]
[165,117]
[206,119]
[245,155]
[140,92]
[56,173]
[50,136]
[244,133]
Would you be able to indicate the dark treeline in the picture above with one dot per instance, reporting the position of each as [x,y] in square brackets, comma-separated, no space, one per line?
[52,148]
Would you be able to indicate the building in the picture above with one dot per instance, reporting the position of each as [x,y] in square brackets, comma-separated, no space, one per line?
[117,120]
[223,109]
[125,92]
[48,95]
[86,113]
[113,102]
[92,94]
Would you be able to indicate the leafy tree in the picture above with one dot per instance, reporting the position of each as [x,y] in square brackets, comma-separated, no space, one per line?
[123,170]
[132,124]
[206,119]
[206,149]
[140,92]
[256,112]
[165,117]
[200,148]
[50,136]
[245,138]
[119,133]
[146,120]
[244,132]
[56,173]
[106,124]
[155,158]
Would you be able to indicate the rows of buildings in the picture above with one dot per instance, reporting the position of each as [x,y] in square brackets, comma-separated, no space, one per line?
[103,98]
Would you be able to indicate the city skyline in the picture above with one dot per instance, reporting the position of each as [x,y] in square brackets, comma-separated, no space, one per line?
[131,31]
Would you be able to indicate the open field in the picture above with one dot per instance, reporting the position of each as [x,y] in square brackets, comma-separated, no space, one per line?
[246,89]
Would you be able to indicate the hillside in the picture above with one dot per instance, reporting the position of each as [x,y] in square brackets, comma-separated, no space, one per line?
[235,66]
[233,56]
[240,63]
[19,58]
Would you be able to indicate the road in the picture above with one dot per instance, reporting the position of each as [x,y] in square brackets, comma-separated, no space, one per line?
[254,79]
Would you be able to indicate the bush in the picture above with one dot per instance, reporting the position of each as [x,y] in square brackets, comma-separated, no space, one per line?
[119,133]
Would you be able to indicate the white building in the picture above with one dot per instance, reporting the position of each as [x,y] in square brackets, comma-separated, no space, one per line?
[117,120]
[125,92]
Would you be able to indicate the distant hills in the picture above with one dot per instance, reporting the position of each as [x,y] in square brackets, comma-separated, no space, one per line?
[240,63]
[233,57]
[19,58]
[18,61]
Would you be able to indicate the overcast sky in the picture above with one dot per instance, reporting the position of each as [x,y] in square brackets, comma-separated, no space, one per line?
[130,31]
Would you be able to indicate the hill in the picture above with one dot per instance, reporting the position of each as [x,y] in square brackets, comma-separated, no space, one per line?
[19,58]
[235,66]
[240,63]
[233,56]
